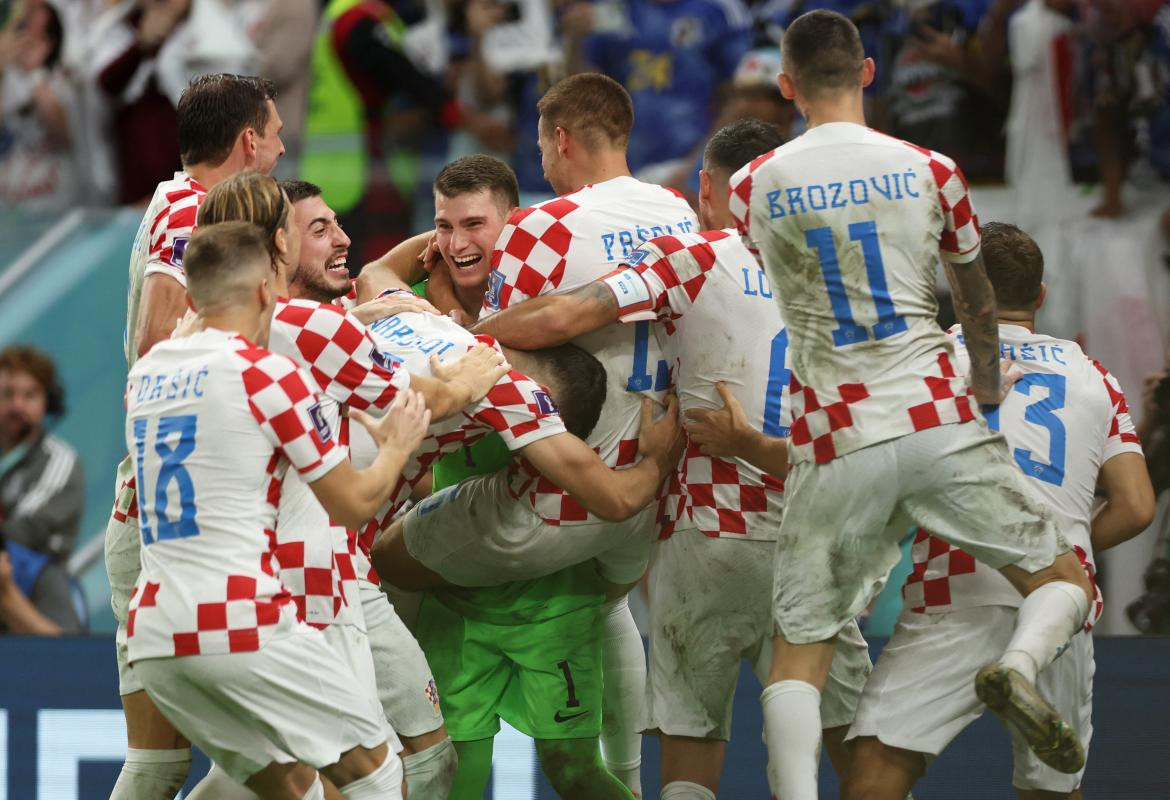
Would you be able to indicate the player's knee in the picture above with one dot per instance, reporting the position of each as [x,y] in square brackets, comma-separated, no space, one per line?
[571,770]
[878,772]
[430,772]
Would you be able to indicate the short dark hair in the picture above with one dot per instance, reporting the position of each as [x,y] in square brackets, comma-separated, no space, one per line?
[218,258]
[822,53]
[300,190]
[739,143]
[475,173]
[594,108]
[214,109]
[579,388]
[1014,264]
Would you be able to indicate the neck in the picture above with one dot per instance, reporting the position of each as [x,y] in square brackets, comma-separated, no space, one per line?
[470,299]
[1024,319]
[843,107]
[208,176]
[236,319]
[605,165]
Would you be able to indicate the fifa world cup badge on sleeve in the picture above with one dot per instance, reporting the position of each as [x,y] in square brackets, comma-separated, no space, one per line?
[628,288]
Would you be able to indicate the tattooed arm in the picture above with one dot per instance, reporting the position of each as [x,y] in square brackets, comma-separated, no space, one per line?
[552,319]
[974,301]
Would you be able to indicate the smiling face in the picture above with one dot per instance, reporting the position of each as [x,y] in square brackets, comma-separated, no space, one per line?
[467,228]
[322,273]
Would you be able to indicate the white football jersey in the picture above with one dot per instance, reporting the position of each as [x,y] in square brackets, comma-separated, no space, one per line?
[317,556]
[567,242]
[850,224]
[159,245]
[1063,419]
[718,323]
[517,408]
[212,423]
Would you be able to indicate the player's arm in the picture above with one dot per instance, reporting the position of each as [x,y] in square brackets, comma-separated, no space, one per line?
[974,301]
[163,303]
[400,268]
[353,496]
[613,495]
[552,319]
[460,383]
[1129,501]
[725,433]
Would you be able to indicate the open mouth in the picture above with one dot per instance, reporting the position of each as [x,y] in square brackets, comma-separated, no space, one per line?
[466,262]
[339,266]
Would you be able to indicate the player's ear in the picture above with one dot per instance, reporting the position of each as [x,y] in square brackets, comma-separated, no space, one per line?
[868,70]
[1043,296]
[787,87]
[705,185]
[248,140]
[562,140]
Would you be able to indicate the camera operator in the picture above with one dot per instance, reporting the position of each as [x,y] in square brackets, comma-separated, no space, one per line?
[41,495]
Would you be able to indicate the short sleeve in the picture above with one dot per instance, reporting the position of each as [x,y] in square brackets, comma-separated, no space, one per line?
[170,233]
[672,270]
[520,410]
[339,353]
[288,411]
[960,239]
[1122,436]
[529,257]
[740,199]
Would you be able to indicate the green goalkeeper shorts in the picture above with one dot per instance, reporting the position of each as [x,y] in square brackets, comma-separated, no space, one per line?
[543,678]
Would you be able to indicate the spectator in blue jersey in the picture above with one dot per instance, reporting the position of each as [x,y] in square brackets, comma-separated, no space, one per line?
[675,58]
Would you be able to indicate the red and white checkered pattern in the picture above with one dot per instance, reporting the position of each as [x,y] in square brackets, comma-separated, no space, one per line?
[566,243]
[338,352]
[816,420]
[846,207]
[950,399]
[162,238]
[1092,425]
[718,322]
[517,408]
[215,590]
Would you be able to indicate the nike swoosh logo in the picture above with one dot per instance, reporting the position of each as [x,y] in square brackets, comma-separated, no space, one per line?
[559,717]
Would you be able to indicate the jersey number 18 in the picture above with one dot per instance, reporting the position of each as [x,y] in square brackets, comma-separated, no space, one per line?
[174,440]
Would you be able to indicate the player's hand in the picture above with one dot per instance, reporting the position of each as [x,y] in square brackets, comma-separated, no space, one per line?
[187,324]
[404,425]
[1009,373]
[719,432]
[661,440]
[392,305]
[478,370]
[430,255]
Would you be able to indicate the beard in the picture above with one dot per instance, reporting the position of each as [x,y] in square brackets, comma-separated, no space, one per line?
[312,283]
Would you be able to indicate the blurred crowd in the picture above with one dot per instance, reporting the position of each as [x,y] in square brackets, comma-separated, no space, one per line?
[375,95]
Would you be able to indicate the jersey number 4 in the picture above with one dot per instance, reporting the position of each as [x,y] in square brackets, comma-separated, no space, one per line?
[174,440]
[848,331]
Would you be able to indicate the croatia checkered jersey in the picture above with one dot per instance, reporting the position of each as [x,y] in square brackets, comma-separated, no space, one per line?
[850,224]
[1063,419]
[517,408]
[719,322]
[213,422]
[162,238]
[567,242]
[347,368]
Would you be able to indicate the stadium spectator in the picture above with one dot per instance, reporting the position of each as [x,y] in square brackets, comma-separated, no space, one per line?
[676,60]
[41,495]
[37,169]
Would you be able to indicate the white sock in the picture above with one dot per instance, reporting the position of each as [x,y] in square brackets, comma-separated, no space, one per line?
[384,783]
[151,774]
[430,772]
[685,790]
[1047,619]
[792,728]
[218,785]
[624,665]
[316,791]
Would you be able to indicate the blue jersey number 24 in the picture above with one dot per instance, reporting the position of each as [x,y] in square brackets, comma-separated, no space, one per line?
[174,440]
[848,331]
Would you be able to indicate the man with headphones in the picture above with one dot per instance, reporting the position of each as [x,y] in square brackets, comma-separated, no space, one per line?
[42,491]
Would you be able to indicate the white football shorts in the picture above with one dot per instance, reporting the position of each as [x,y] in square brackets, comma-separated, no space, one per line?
[295,699]
[406,688]
[922,692]
[123,543]
[709,608]
[843,521]
[476,534]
